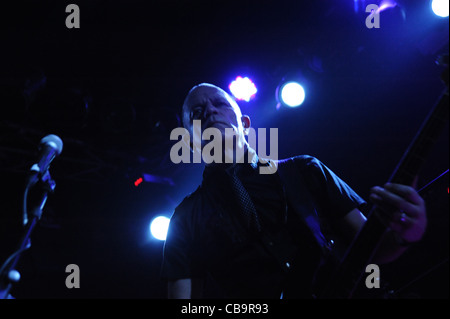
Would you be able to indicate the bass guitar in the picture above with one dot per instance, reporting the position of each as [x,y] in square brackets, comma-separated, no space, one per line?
[345,278]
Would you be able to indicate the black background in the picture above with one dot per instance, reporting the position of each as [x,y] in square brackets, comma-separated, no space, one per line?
[132,63]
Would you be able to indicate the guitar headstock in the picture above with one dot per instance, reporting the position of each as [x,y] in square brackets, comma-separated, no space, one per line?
[442,60]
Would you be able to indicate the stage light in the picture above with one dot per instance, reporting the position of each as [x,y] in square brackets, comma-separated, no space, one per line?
[386,4]
[440,8]
[243,88]
[159,226]
[290,94]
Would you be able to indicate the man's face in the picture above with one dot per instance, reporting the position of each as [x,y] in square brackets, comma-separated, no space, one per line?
[214,108]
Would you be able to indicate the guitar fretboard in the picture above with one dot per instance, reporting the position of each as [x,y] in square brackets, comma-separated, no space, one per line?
[415,156]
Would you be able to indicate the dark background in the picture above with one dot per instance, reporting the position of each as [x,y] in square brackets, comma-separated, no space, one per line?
[113,89]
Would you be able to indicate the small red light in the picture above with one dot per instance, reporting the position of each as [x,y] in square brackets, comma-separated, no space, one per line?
[138,181]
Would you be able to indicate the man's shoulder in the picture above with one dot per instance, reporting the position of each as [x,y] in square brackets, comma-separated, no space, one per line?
[301,161]
[190,199]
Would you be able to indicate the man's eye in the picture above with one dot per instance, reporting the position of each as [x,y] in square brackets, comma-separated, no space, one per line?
[197,113]
[222,104]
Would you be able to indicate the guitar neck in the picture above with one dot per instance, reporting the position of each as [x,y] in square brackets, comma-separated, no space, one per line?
[361,251]
[415,156]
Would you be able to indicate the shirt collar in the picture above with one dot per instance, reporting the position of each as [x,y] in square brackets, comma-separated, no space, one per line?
[250,160]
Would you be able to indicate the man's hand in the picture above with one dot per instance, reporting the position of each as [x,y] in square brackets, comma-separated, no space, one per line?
[404,208]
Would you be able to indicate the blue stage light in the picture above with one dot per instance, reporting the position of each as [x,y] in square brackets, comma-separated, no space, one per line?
[440,7]
[243,88]
[159,226]
[291,94]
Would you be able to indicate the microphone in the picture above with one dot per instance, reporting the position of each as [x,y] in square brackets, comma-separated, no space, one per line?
[50,147]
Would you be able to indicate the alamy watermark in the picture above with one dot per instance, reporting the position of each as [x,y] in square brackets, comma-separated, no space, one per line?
[373,19]
[227,148]
[373,279]
[73,19]
[73,279]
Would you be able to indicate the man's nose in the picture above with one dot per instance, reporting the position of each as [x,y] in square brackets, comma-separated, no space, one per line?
[209,109]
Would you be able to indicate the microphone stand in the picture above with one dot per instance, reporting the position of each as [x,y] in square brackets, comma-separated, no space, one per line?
[8,275]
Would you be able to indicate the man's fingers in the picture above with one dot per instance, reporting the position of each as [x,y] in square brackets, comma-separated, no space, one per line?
[406,192]
[402,208]
[403,197]
[391,202]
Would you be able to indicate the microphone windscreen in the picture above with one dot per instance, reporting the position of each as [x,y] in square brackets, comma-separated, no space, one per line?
[54,141]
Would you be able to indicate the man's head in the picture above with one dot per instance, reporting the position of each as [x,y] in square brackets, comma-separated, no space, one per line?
[215,108]
[218,111]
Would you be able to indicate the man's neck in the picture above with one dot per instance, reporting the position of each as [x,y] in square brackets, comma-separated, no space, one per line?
[247,155]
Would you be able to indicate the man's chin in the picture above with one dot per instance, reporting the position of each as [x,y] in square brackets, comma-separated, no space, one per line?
[220,126]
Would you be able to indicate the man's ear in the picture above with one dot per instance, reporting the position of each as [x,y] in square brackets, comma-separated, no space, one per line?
[246,123]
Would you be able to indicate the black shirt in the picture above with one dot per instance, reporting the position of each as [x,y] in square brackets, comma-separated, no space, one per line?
[207,238]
